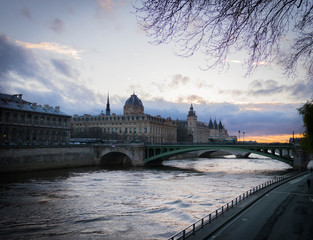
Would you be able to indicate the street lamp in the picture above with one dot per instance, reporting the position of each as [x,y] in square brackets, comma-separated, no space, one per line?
[239,135]
[243,136]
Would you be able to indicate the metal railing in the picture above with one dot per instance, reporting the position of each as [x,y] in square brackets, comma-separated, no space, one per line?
[191,229]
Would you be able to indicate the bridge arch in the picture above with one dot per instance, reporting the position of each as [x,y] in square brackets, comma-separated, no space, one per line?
[266,151]
[115,159]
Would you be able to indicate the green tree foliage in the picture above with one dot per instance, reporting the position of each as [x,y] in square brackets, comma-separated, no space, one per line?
[261,27]
[306,111]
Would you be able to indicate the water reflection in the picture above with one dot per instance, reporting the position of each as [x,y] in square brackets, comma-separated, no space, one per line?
[124,203]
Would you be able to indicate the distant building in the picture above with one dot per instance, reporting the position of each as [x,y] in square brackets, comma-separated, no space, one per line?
[199,132]
[133,126]
[22,122]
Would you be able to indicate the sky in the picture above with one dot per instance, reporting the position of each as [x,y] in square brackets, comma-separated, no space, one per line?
[73,54]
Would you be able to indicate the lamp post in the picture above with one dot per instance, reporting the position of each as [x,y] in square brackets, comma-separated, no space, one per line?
[243,136]
[239,135]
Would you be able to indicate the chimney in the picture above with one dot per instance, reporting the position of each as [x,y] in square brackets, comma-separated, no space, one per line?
[46,107]
[57,108]
[19,96]
[34,105]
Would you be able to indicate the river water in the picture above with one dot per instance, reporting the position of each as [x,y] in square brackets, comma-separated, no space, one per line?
[119,203]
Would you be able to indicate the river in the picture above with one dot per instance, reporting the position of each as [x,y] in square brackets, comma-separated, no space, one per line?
[125,203]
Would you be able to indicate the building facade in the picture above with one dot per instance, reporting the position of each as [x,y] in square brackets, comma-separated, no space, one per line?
[133,126]
[200,132]
[22,122]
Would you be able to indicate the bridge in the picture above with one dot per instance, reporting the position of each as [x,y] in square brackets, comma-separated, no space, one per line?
[26,158]
[280,152]
[153,154]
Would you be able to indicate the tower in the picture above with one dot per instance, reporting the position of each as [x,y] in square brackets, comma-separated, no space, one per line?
[107,110]
[192,125]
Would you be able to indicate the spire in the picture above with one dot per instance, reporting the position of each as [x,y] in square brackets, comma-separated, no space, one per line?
[107,110]
[191,112]
[211,124]
[215,124]
[220,125]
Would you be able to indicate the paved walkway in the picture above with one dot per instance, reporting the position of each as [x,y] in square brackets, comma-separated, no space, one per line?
[284,212]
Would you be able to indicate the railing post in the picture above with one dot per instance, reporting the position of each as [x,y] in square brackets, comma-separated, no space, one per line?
[222,209]
[210,218]
[193,228]
[184,234]
[202,223]
[216,212]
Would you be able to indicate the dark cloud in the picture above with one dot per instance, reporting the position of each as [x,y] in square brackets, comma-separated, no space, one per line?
[296,90]
[44,80]
[14,58]
[57,25]
[253,119]
[64,67]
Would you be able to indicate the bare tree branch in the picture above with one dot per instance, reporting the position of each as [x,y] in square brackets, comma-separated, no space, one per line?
[259,27]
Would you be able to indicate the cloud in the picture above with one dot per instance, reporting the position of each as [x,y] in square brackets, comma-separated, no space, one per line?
[64,67]
[53,47]
[253,119]
[262,63]
[106,5]
[44,79]
[271,89]
[15,58]
[178,81]
[57,25]
[26,13]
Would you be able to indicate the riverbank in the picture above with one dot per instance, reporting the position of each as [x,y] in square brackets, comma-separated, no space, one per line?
[34,158]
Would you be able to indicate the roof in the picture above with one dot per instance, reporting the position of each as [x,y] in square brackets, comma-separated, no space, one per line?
[15,102]
[134,101]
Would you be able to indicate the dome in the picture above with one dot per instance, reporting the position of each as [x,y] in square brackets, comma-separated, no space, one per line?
[133,105]
[133,100]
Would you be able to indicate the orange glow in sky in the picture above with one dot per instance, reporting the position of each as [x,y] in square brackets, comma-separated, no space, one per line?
[272,138]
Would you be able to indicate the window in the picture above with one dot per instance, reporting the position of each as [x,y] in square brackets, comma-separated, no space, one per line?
[125,130]
[22,118]
[36,120]
[7,117]
[134,130]
[42,120]
[14,117]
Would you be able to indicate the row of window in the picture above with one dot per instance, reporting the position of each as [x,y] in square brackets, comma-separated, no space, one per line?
[128,130]
[33,119]
[116,118]
[21,135]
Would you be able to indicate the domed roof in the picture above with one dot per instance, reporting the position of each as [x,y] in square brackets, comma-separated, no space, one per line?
[133,101]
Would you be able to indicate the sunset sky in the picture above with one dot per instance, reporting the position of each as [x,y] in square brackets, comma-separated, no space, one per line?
[73,53]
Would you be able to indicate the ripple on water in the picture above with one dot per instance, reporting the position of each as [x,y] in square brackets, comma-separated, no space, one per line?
[134,203]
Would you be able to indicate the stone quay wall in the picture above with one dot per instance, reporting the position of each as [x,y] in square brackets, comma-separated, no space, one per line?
[30,158]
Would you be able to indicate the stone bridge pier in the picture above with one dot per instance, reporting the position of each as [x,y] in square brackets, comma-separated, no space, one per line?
[121,154]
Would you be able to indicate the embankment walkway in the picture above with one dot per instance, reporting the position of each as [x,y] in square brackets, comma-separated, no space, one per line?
[283,210]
